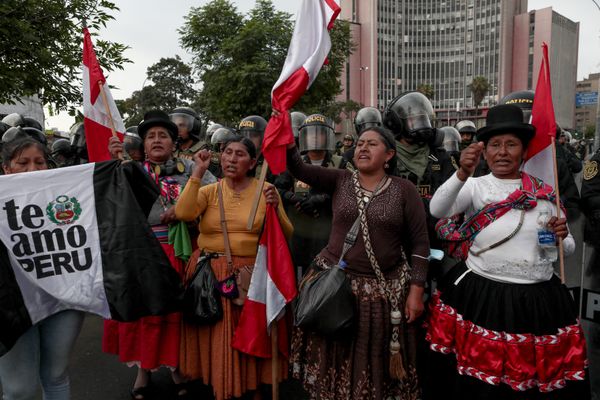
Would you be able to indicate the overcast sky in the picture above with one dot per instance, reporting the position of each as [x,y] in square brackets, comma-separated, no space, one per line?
[149,28]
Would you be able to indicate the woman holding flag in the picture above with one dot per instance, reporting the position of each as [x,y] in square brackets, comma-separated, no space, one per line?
[42,353]
[502,325]
[206,351]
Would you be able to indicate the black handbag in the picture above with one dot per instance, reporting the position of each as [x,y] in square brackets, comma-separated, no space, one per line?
[201,300]
[325,304]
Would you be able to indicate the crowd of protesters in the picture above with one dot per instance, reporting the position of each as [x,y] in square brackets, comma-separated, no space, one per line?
[486,319]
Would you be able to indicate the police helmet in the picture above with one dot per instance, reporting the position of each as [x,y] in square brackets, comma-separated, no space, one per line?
[15,132]
[567,135]
[523,99]
[316,133]
[409,115]
[452,138]
[297,118]
[14,119]
[253,127]
[132,129]
[466,126]
[367,117]
[3,128]
[185,117]
[132,141]
[221,136]
[61,147]
[32,123]
[211,130]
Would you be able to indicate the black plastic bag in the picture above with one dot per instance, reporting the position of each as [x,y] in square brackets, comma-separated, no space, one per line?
[201,300]
[325,304]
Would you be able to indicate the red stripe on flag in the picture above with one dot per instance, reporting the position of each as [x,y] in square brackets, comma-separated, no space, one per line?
[90,61]
[279,259]
[336,11]
[542,113]
[278,133]
[97,137]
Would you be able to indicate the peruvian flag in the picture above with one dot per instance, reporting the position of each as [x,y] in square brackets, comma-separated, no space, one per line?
[100,118]
[308,51]
[273,285]
[539,160]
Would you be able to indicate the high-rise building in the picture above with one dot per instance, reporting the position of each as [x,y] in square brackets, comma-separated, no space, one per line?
[586,102]
[562,37]
[441,45]
[433,44]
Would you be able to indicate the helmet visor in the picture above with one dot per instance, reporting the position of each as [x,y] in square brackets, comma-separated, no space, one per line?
[183,121]
[316,137]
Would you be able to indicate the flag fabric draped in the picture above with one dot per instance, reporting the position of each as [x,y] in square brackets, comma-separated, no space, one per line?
[308,51]
[273,285]
[539,160]
[78,238]
[97,121]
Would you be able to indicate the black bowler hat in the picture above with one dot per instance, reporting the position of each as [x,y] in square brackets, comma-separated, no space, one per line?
[506,118]
[157,118]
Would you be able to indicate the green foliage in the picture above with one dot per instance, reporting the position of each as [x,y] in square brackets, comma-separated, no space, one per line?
[239,58]
[589,131]
[426,89]
[479,87]
[171,85]
[41,45]
[339,110]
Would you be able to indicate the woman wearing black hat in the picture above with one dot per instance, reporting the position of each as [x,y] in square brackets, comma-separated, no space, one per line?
[502,326]
[153,341]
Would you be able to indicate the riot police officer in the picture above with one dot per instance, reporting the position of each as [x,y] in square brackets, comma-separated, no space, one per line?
[78,143]
[366,117]
[451,143]
[420,159]
[467,130]
[209,132]
[133,144]
[61,153]
[297,118]
[308,209]
[188,128]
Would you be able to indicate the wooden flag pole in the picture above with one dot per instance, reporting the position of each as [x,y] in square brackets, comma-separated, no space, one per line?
[261,183]
[275,359]
[561,251]
[107,108]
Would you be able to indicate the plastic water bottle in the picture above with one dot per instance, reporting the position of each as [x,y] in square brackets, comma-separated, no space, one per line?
[546,239]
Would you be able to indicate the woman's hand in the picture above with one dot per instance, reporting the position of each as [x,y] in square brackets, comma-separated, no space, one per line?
[115,147]
[271,196]
[469,160]
[559,227]
[168,216]
[414,303]
[201,163]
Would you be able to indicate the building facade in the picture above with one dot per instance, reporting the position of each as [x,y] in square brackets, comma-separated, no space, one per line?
[586,102]
[562,37]
[441,45]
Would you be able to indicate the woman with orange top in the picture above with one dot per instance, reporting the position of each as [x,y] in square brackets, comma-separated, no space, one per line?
[206,351]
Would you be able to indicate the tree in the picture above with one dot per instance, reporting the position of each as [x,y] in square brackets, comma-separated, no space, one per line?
[479,87]
[238,59]
[337,109]
[589,131]
[426,89]
[40,48]
[172,85]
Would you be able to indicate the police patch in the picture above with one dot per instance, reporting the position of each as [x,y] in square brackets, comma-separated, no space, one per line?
[590,170]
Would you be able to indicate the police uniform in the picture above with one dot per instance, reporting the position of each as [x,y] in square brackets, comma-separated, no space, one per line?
[311,231]
[590,199]
[188,154]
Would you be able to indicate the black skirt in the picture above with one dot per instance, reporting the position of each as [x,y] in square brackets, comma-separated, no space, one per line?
[491,339]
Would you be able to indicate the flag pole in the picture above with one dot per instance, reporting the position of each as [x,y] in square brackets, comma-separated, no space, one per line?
[561,250]
[275,359]
[112,122]
[261,183]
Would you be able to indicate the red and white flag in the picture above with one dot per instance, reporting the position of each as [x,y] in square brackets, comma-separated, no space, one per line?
[308,51]
[273,285]
[539,160]
[98,122]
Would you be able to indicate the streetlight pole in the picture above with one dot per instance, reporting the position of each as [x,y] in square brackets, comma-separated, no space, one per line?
[362,84]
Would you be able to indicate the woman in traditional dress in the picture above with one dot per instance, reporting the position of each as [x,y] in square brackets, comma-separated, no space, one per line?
[376,360]
[206,351]
[42,353]
[502,325]
[153,342]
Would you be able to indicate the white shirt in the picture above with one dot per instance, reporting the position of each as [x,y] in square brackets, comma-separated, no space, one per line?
[517,260]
